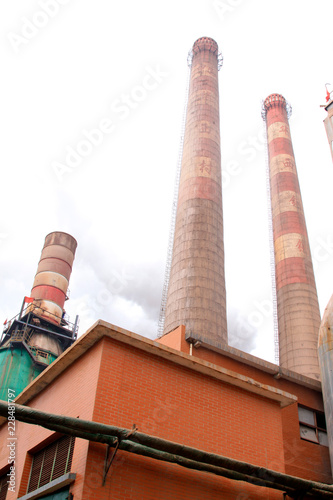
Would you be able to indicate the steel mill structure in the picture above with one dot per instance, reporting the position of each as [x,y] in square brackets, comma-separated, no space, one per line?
[325,351]
[328,122]
[325,345]
[185,416]
[34,338]
[297,300]
[196,294]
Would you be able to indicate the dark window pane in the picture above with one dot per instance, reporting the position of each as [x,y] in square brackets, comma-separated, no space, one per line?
[321,422]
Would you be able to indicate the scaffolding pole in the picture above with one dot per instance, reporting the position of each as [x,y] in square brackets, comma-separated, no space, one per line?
[174,209]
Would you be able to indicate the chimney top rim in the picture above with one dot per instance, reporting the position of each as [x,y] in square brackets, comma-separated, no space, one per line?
[70,237]
[205,43]
[273,101]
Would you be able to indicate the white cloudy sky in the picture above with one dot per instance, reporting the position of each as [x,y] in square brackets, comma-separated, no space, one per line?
[71,66]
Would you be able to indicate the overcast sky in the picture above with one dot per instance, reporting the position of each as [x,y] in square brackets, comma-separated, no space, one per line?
[92,97]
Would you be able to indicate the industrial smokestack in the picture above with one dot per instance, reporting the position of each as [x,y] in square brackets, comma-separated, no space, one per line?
[196,294]
[50,287]
[325,353]
[297,300]
[36,336]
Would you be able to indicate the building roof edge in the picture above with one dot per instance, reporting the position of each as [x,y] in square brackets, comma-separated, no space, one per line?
[103,329]
[255,362]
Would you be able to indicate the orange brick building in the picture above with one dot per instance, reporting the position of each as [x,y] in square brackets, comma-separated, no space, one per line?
[221,401]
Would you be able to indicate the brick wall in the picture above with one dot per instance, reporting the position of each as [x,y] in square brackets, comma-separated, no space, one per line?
[178,404]
[302,458]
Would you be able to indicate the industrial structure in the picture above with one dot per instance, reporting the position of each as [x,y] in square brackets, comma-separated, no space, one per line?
[328,122]
[325,351]
[184,416]
[196,291]
[34,338]
[297,300]
[146,420]
[325,343]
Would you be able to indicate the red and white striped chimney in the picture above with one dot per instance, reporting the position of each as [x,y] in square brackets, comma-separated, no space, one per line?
[297,300]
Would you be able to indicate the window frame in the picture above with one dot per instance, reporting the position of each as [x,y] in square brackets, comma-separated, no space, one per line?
[42,452]
[316,427]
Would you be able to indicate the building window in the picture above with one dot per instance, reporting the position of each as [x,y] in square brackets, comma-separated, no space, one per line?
[3,486]
[51,462]
[312,425]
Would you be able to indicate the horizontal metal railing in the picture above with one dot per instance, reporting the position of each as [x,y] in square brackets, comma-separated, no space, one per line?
[20,335]
[39,353]
[30,308]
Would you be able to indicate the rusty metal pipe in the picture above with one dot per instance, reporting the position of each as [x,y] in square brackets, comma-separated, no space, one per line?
[162,449]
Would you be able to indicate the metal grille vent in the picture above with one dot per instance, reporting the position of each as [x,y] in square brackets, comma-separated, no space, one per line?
[51,462]
[3,486]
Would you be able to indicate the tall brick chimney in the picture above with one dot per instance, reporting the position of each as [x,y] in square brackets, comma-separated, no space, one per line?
[297,300]
[196,294]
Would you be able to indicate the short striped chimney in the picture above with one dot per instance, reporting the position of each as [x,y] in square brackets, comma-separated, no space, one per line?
[196,294]
[297,300]
[35,337]
[50,286]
